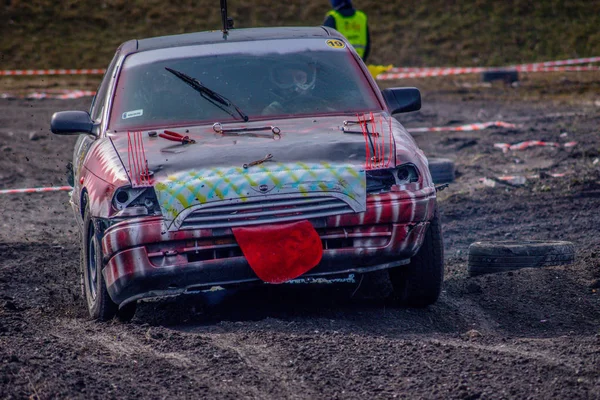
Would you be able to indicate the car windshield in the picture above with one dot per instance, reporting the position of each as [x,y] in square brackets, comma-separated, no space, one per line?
[265,79]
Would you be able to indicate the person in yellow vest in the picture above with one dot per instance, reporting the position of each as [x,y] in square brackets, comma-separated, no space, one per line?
[352,24]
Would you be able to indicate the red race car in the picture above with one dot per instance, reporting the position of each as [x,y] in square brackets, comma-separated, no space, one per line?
[255,155]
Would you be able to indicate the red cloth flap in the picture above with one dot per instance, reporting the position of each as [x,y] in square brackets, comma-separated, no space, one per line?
[281,252]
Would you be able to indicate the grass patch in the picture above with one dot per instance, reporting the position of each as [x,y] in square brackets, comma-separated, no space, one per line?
[74,34]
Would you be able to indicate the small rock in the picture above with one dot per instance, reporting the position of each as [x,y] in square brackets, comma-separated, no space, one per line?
[517,180]
[10,305]
[34,136]
[472,334]
[489,183]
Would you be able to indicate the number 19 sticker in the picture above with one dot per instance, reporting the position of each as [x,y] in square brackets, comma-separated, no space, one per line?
[336,44]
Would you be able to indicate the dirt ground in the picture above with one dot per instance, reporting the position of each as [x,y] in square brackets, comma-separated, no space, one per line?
[532,333]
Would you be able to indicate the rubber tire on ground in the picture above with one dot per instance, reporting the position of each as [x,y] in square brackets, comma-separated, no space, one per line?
[102,307]
[442,170]
[419,283]
[491,257]
[505,75]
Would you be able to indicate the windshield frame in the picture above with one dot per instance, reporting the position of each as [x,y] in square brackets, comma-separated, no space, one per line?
[290,46]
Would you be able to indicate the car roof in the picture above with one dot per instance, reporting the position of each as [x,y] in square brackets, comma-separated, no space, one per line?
[234,35]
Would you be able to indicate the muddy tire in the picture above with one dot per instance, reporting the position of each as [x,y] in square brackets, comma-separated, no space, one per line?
[419,283]
[99,304]
[442,170]
[491,257]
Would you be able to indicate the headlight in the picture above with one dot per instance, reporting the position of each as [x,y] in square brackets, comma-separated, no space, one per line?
[131,201]
[382,180]
[407,173]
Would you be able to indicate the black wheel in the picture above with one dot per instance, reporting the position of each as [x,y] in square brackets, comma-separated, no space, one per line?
[490,257]
[419,283]
[125,313]
[442,170]
[99,303]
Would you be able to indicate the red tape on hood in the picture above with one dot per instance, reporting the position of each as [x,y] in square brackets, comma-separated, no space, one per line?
[279,253]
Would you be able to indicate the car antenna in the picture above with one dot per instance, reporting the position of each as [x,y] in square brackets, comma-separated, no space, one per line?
[227,21]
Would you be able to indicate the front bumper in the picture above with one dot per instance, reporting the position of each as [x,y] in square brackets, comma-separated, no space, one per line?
[143,259]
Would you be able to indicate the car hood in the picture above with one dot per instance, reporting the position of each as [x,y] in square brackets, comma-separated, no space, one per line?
[301,140]
[311,157]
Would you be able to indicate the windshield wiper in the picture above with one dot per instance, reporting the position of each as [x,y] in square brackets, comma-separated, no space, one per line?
[213,97]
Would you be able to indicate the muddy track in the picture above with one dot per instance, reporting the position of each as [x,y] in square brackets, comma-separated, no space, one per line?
[532,333]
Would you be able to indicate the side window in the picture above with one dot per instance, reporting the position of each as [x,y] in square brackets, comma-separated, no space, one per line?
[99,99]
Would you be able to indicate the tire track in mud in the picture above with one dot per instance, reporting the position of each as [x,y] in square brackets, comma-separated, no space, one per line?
[192,354]
[120,343]
[146,362]
[474,316]
[358,365]
[267,361]
[514,350]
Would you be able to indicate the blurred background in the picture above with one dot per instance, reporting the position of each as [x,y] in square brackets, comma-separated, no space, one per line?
[84,34]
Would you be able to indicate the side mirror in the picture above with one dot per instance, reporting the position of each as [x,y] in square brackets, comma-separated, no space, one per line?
[72,123]
[400,100]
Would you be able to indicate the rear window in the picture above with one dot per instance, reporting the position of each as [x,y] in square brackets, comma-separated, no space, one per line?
[266,79]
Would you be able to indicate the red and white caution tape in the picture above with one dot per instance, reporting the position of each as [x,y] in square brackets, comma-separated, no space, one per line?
[76,94]
[557,69]
[28,72]
[61,94]
[393,73]
[530,143]
[475,70]
[426,73]
[508,178]
[549,66]
[573,61]
[464,128]
[517,179]
[37,190]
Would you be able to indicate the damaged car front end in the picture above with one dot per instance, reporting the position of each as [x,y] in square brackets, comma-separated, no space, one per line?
[268,157]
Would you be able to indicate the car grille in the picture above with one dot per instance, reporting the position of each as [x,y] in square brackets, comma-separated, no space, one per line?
[217,248]
[263,211]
